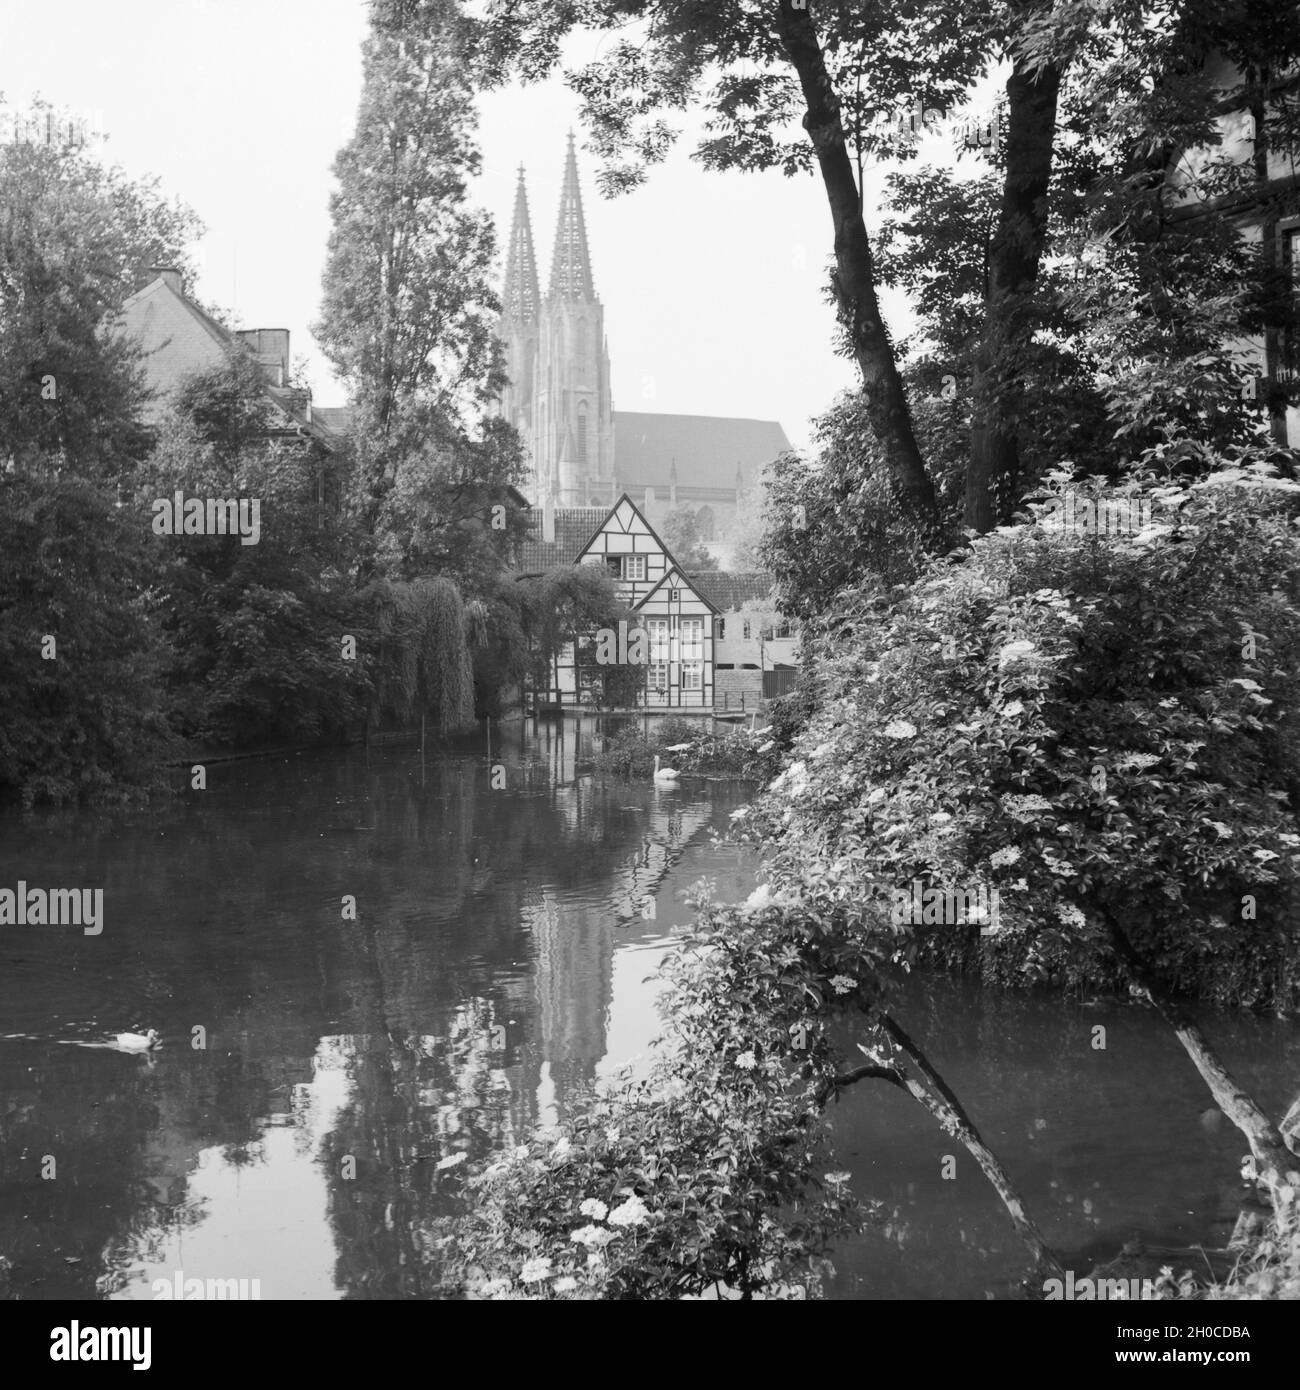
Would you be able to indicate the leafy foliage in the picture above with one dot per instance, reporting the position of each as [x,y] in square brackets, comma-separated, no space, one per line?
[1057,708]
[695,1179]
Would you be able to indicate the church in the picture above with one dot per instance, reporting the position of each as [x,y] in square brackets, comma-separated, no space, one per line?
[583,452]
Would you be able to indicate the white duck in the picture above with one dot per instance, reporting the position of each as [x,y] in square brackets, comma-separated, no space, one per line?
[665,774]
[139,1042]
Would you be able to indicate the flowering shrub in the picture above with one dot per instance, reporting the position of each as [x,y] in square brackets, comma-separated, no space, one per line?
[1101,728]
[702,1175]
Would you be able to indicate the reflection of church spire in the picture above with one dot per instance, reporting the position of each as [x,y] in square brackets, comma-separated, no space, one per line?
[571,262]
[520,300]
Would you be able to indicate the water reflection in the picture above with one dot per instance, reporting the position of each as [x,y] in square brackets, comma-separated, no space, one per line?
[345,1060]
[498,958]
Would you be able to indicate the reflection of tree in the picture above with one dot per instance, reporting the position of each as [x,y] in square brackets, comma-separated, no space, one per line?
[230,918]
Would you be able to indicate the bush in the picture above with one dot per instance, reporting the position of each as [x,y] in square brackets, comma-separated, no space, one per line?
[1101,728]
[699,1176]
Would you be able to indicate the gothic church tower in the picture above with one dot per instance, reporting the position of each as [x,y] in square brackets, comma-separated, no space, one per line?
[557,358]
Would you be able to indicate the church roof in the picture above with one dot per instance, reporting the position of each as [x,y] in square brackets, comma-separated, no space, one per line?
[574,527]
[707,448]
[728,591]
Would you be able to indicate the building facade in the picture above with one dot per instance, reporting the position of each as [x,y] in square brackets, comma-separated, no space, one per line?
[705,638]
[583,452]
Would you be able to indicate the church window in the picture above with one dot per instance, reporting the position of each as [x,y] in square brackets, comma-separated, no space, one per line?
[582,436]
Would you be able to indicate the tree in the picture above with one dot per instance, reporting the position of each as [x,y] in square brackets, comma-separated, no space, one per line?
[1116,92]
[81,651]
[409,314]
[1061,705]
[681,533]
[256,629]
[76,239]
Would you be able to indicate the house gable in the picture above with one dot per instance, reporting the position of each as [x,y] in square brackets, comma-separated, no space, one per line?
[675,587]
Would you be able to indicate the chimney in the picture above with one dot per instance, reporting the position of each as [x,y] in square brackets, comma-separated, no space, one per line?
[548,517]
[170,275]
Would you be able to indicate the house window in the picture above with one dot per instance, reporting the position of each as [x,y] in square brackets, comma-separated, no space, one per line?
[746,630]
[692,675]
[658,639]
[719,629]
[692,640]
[658,675]
[634,568]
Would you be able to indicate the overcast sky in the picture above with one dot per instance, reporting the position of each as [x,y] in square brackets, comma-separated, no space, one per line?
[710,282]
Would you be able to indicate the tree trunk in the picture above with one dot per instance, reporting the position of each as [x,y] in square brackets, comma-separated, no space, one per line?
[1276,1165]
[854,278]
[1014,258]
[947,1109]
[938,1099]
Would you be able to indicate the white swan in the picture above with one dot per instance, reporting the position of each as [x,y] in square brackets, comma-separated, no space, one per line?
[138,1042]
[665,774]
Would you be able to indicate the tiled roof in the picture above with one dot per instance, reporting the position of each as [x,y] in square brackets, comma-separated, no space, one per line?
[707,449]
[727,591]
[180,339]
[574,527]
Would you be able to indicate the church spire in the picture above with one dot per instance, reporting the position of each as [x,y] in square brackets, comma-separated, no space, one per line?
[571,264]
[520,299]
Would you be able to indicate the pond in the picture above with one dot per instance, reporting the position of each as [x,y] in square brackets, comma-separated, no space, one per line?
[318,1062]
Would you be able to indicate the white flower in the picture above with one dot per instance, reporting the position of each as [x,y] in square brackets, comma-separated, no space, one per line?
[966,728]
[842,984]
[1013,708]
[565,1285]
[535,1270]
[612,1136]
[594,1257]
[878,794]
[900,728]
[1008,854]
[451,1161]
[1224,831]
[493,1288]
[759,898]
[521,1151]
[1015,651]
[1070,915]
[562,1147]
[941,817]
[594,1208]
[838,1179]
[592,1236]
[633,1212]
[746,1061]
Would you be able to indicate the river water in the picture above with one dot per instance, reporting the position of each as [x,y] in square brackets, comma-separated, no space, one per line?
[317,1064]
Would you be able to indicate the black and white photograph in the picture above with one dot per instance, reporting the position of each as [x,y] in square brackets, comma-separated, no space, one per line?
[650,652]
